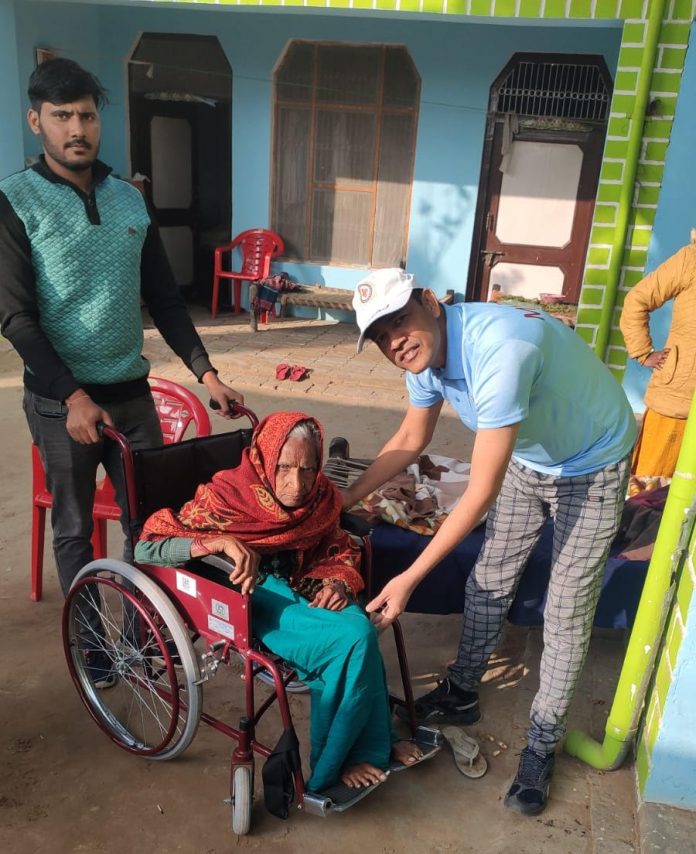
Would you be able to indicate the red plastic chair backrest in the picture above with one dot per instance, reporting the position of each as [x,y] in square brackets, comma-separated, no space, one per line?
[178,408]
[258,246]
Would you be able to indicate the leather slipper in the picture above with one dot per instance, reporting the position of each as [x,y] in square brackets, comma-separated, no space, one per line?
[465,751]
[282,371]
[299,372]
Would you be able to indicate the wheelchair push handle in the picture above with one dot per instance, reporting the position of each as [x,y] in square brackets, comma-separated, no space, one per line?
[236,410]
[106,432]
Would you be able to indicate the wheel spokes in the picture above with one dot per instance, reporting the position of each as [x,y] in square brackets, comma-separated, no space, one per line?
[144,709]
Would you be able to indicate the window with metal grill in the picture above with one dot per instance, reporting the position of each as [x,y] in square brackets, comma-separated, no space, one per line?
[573,89]
[343,152]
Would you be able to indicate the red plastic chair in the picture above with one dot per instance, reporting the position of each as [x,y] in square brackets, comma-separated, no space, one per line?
[258,247]
[178,408]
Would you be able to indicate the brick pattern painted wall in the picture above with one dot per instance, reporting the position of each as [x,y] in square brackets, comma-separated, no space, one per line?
[667,660]
[664,90]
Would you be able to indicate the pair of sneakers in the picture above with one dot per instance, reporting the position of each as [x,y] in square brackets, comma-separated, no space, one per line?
[449,704]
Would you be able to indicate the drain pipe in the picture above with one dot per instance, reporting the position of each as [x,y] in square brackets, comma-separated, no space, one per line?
[653,609]
[635,138]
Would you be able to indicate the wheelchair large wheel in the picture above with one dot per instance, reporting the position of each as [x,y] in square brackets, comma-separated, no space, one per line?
[242,782]
[131,659]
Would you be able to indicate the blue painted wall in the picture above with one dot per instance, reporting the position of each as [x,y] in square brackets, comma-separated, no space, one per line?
[457,61]
[11,149]
[73,31]
[671,777]
[676,216]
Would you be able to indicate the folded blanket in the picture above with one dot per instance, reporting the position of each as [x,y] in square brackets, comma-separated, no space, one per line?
[268,290]
[420,498]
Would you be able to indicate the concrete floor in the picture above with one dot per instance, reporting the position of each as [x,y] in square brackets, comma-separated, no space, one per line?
[66,788]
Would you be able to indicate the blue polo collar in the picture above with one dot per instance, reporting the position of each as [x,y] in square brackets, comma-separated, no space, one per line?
[454,359]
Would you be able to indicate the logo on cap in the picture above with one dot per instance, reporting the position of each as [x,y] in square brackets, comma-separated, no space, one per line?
[365,292]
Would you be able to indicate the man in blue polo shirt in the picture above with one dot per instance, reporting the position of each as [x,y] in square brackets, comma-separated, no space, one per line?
[553,435]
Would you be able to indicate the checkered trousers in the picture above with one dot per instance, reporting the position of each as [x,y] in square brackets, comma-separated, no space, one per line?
[586,510]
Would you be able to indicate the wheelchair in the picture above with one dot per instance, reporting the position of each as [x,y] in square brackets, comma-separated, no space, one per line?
[146,619]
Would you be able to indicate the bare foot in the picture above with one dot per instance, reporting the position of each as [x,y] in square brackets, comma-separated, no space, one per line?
[406,752]
[361,775]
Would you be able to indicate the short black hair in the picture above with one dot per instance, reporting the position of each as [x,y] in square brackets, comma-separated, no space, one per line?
[416,296]
[62,81]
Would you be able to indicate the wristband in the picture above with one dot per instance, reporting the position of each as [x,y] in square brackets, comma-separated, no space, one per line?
[645,358]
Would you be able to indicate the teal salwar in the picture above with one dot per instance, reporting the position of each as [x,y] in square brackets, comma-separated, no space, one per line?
[336,653]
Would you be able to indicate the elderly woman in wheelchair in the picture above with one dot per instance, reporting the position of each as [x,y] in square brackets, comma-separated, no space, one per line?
[276,516]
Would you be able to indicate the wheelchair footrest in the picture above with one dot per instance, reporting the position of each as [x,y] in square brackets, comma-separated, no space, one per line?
[337,798]
[428,735]
[429,740]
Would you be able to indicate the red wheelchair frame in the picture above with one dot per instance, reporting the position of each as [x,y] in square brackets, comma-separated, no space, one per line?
[148,614]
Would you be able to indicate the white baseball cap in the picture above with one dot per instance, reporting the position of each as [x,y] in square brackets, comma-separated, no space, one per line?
[382,292]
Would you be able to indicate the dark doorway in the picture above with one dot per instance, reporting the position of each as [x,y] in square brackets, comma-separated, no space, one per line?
[543,152]
[180,90]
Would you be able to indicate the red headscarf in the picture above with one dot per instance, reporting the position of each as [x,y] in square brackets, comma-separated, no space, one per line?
[242,502]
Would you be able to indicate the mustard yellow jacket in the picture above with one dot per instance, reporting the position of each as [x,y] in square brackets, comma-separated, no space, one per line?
[671,388]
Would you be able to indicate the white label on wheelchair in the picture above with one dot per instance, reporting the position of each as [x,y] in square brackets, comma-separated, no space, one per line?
[186,584]
[221,627]
[220,609]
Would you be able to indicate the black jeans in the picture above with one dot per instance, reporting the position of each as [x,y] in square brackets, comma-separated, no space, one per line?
[71,471]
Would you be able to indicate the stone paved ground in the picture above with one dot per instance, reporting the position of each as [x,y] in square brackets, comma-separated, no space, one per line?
[65,788]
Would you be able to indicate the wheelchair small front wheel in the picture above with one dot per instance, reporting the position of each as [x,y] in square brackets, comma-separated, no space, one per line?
[242,796]
[131,659]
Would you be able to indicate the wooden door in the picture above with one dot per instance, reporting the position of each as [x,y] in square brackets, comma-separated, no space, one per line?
[538,213]
[165,152]
[180,94]
[540,170]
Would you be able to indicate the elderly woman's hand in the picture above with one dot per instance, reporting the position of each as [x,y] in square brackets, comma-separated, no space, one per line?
[333,597]
[246,561]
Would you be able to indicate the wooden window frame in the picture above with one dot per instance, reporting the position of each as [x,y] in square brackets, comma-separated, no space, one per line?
[313,106]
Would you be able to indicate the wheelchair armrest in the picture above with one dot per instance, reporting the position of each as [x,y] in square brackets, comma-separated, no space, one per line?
[355,525]
[222,562]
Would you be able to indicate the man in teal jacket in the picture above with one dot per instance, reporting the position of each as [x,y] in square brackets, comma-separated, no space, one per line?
[78,252]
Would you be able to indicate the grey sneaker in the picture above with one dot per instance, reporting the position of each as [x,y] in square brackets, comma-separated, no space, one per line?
[530,788]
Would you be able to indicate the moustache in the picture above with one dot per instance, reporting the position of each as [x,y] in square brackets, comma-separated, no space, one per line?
[78,143]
